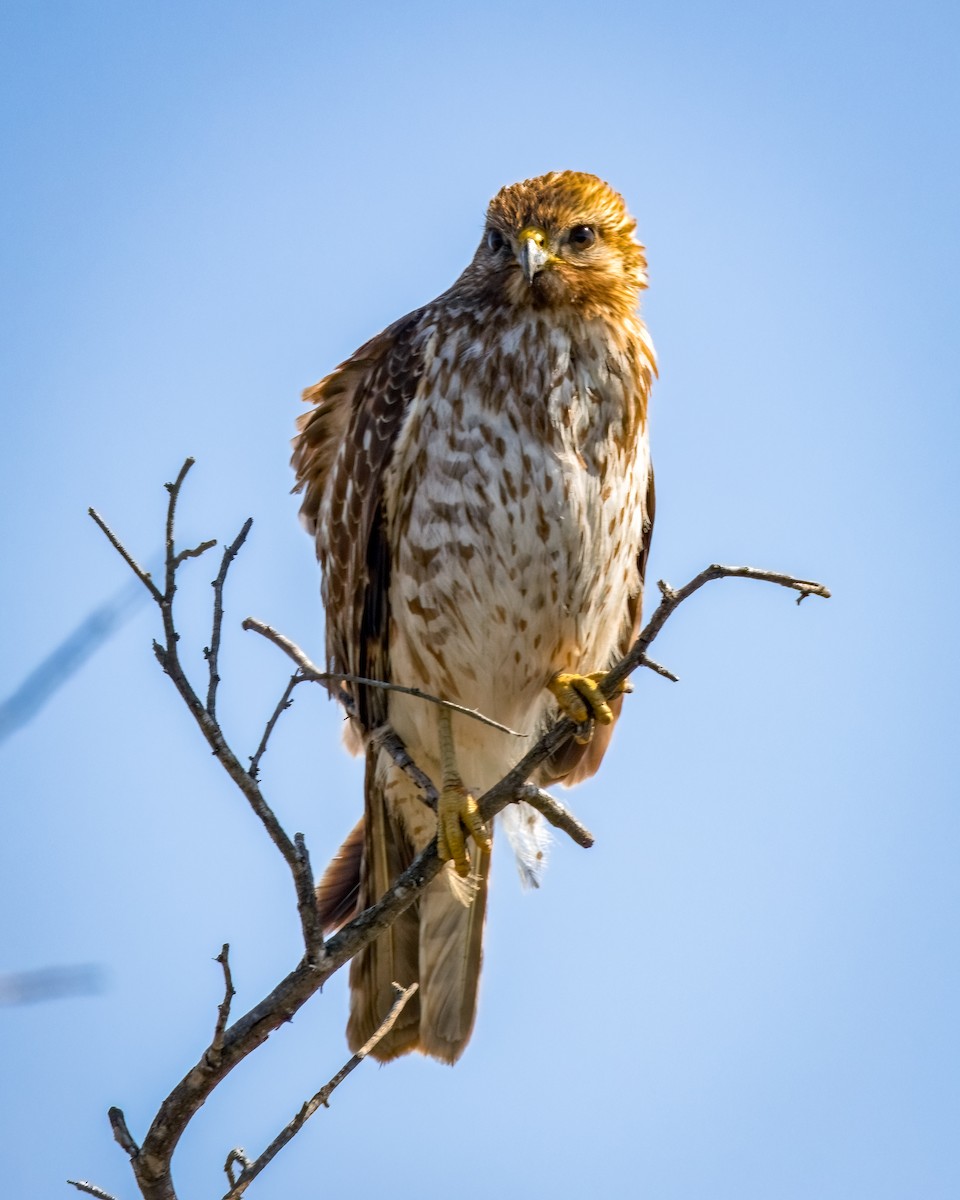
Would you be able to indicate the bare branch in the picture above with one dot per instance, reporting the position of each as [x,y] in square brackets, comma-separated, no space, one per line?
[196,551]
[124,1138]
[304,869]
[558,816]
[168,657]
[141,574]
[671,599]
[91,1189]
[252,1169]
[307,667]
[658,669]
[236,1156]
[223,1009]
[282,705]
[213,653]
[171,558]
[309,670]
[391,741]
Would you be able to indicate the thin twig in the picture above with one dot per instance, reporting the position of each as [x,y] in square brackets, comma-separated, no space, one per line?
[141,574]
[196,551]
[213,653]
[558,816]
[282,705]
[311,671]
[168,656]
[118,1123]
[305,870]
[252,1169]
[223,1009]
[91,1189]
[672,598]
[658,669]
[236,1155]
[170,557]
[394,745]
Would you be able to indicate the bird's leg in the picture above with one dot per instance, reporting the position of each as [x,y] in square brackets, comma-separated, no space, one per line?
[457,813]
[581,699]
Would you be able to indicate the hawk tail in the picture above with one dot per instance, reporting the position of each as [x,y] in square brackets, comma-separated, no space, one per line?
[436,942]
[452,913]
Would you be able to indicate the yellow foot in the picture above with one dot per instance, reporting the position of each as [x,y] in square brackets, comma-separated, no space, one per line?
[580,699]
[457,818]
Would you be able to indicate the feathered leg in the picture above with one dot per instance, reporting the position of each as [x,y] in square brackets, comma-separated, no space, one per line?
[457,813]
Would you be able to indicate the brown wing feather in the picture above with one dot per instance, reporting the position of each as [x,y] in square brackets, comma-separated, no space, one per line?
[573,762]
[339,456]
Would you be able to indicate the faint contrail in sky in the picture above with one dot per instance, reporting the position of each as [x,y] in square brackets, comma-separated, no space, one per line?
[51,983]
[22,705]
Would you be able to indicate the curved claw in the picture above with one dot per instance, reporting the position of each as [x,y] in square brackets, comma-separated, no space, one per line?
[580,698]
[458,817]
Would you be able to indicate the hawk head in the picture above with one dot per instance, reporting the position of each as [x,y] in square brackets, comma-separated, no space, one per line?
[560,240]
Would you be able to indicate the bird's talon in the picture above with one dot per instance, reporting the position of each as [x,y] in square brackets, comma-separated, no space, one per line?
[457,818]
[583,734]
[580,698]
[624,687]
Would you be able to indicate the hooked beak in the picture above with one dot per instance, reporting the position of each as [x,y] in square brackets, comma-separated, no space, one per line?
[533,254]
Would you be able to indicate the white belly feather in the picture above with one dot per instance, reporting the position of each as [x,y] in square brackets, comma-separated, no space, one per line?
[515,546]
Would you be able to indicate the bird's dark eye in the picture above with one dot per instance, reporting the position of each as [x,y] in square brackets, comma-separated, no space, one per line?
[495,242]
[582,236]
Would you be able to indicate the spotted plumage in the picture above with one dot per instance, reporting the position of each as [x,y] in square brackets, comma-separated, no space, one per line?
[478,482]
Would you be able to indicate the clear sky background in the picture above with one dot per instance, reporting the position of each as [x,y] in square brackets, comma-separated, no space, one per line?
[749,988]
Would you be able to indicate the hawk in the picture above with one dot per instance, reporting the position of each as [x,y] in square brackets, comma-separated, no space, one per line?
[477,479]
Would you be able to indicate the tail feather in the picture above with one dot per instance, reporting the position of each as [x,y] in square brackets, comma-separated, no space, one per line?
[437,942]
[338,892]
[451,953]
[393,957]
[530,840]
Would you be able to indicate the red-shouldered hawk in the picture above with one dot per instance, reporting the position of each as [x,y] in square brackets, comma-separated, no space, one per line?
[478,481]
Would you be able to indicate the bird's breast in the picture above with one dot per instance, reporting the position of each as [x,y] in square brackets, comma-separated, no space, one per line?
[514,511]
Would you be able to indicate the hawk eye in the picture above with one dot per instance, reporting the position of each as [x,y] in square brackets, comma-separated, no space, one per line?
[495,242]
[582,236]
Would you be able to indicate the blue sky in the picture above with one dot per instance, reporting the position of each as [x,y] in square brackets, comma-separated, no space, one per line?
[749,987]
